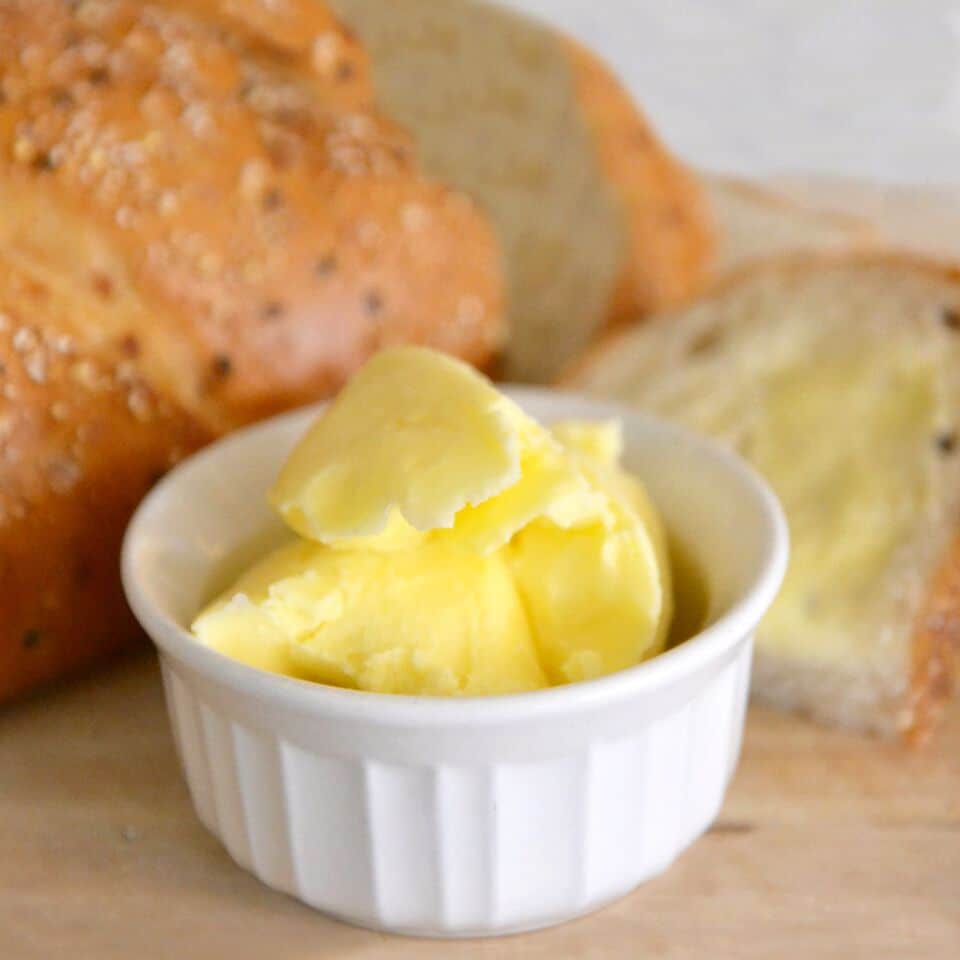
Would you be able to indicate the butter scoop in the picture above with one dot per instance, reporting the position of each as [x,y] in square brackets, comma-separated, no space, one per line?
[434,621]
[450,545]
[410,435]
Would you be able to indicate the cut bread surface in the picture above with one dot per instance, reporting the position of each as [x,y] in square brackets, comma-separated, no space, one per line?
[597,222]
[840,381]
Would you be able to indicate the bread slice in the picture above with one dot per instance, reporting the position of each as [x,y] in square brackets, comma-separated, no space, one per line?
[840,380]
[921,219]
[598,223]
[754,223]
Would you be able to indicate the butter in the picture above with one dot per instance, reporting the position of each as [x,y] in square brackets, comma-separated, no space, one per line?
[409,435]
[845,443]
[449,545]
[435,620]
[602,581]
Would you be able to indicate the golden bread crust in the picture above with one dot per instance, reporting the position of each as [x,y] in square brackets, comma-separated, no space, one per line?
[670,234]
[82,437]
[935,650]
[143,125]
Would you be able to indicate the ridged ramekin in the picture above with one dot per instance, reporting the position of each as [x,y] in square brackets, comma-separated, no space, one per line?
[457,817]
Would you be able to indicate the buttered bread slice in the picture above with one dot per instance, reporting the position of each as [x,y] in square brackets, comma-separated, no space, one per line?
[840,381]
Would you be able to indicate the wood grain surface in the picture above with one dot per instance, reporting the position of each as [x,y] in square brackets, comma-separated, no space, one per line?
[829,846]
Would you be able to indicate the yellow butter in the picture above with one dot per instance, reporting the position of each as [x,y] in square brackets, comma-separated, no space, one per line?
[597,441]
[410,433]
[453,546]
[845,443]
[551,485]
[600,597]
[435,620]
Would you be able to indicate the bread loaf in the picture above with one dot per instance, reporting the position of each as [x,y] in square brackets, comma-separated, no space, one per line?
[204,220]
[839,380]
[598,223]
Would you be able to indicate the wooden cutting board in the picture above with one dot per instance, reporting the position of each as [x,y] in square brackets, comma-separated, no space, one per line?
[829,846]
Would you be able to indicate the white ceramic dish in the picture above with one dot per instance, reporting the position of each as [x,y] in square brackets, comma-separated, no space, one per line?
[457,817]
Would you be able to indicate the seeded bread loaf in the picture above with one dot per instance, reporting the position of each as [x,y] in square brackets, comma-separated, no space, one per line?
[839,380]
[204,220]
[598,223]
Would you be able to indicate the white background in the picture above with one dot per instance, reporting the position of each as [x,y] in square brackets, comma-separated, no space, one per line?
[861,88]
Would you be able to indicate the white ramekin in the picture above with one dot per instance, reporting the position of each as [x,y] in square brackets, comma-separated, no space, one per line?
[457,817]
